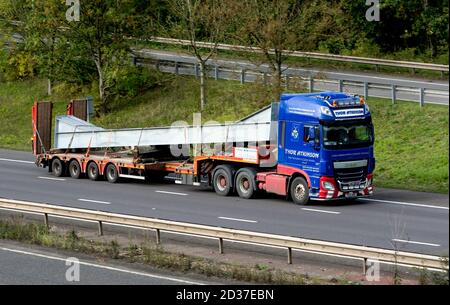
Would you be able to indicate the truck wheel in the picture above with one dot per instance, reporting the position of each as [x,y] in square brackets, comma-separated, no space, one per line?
[112,175]
[245,183]
[74,169]
[299,191]
[58,168]
[223,180]
[92,171]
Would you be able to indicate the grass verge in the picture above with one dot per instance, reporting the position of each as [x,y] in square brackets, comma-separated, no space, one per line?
[150,254]
[411,142]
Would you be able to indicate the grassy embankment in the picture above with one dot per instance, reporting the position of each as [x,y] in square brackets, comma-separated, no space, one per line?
[411,143]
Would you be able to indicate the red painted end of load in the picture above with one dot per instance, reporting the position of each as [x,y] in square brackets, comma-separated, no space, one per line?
[69,109]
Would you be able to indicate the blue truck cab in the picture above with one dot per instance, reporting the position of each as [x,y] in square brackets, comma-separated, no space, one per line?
[328,137]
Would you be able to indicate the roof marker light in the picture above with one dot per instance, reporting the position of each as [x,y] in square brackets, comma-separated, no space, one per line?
[335,103]
[361,101]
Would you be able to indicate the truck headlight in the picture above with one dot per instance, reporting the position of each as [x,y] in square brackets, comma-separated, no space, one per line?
[326,185]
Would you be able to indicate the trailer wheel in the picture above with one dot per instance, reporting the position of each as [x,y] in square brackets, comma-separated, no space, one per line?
[223,180]
[74,169]
[112,175]
[92,171]
[58,168]
[299,191]
[245,183]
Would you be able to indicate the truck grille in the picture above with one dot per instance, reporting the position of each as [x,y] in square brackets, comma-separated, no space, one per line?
[351,178]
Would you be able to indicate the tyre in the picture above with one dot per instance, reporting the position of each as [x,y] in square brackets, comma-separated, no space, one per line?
[92,171]
[111,173]
[299,191]
[245,183]
[74,169]
[223,180]
[58,168]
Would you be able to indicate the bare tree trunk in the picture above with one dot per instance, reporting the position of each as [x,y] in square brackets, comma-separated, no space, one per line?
[49,87]
[202,86]
[278,77]
[101,87]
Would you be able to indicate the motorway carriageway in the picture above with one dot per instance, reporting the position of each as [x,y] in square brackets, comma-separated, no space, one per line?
[413,221]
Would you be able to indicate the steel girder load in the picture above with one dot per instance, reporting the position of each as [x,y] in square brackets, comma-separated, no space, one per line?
[71,132]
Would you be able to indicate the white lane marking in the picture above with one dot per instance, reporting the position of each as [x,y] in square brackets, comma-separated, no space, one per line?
[238,219]
[171,193]
[321,211]
[415,242]
[103,267]
[51,178]
[406,203]
[94,201]
[17,161]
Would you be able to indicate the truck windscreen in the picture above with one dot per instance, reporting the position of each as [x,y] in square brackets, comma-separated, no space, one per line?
[347,135]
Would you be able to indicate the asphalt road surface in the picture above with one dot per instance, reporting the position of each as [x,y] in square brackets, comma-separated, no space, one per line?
[24,266]
[412,221]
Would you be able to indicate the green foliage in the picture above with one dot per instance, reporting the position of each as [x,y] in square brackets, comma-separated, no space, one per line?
[17,65]
[130,81]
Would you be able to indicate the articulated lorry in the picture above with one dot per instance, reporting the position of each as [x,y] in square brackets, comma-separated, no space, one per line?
[306,146]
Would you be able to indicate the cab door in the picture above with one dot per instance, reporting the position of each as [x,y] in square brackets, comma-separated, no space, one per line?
[301,146]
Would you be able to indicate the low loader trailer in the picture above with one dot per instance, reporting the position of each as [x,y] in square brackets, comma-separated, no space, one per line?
[315,146]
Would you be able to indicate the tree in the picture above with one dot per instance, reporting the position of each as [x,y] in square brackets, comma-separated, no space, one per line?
[275,28]
[102,35]
[199,20]
[45,39]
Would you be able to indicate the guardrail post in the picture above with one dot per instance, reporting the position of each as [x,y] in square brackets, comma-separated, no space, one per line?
[366,91]
[265,78]
[157,65]
[100,228]
[311,84]
[394,93]
[422,97]
[196,71]
[176,68]
[134,61]
[289,251]
[364,266]
[242,76]
[216,72]
[158,237]
[377,68]
[221,245]
[286,81]
[46,220]
[341,85]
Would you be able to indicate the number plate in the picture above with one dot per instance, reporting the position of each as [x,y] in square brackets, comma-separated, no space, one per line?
[351,195]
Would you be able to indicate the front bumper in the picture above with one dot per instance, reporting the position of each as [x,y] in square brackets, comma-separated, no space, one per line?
[339,195]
